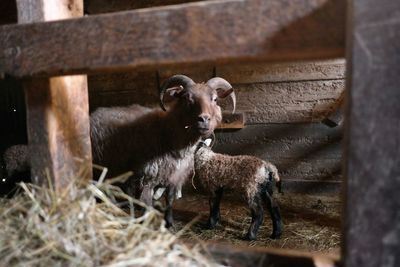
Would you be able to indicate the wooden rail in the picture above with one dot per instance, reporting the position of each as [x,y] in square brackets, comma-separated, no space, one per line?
[214,31]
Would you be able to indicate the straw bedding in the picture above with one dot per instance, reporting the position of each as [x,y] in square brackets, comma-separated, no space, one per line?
[84,226]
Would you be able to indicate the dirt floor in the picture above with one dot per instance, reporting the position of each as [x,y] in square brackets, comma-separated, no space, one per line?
[311,223]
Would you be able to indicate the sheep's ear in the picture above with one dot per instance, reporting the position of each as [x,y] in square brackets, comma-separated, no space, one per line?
[224,93]
[175,91]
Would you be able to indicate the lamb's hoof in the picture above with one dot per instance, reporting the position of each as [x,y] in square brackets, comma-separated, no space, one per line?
[169,224]
[249,237]
[211,225]
[276,235]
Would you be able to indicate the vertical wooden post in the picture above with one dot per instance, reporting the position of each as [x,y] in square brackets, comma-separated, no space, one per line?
[372,154]
[57,107]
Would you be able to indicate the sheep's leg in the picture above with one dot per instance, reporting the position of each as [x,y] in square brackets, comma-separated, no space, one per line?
[147,195]
[275,214]
[169,200]
[214,201]
[257,217]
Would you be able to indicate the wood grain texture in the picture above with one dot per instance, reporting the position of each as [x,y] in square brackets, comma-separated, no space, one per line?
[302,152]
[216,31]
[58,128]
[309,101]
[232,121]
[237,256]
[283,71]
[106,6]
[57,109]
[372,155]
[277,92]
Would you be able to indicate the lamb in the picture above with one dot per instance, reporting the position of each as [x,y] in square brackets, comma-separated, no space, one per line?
[158,146]
[246,175]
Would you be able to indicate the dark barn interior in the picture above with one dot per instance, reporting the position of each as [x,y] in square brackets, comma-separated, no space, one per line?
[283,106]
[289,111]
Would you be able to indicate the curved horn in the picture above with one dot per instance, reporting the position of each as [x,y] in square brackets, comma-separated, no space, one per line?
[175,80]
[219,83]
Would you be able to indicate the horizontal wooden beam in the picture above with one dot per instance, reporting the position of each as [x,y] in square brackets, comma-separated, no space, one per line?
[232,121]
[107,6]
[229,255]
[212,31]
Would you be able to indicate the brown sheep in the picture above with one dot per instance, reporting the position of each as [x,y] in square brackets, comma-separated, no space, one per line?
[158,145]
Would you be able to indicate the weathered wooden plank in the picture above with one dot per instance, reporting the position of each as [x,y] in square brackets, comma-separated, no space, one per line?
[124,88]
[199,72]
[336,116]
[219,32]
[302,152]
[372,154]
[107,6]
[305,101]
[284,102]
[57,109]
[283,72]
[236,256]
[232,121]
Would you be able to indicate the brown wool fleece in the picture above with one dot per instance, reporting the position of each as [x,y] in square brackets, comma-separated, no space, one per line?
[242,173]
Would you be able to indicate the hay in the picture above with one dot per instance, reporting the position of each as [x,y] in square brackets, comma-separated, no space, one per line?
[311,223]
[85,227]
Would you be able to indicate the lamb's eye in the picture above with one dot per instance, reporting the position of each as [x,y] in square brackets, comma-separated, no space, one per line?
[214,98]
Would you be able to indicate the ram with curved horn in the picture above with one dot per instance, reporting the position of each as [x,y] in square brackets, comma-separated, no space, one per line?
[158,144]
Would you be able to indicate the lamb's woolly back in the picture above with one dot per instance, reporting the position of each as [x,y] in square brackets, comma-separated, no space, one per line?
[241,173]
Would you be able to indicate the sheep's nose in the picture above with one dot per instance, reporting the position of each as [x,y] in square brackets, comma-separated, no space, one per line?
[203,118]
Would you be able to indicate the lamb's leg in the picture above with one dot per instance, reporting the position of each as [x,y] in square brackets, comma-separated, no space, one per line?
[169,200]
[257,217]
[214,201]
[275,214]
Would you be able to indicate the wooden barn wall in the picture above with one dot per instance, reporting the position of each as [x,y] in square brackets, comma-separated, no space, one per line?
[283,105]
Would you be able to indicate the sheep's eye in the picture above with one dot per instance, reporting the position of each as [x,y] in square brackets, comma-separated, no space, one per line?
[214,98]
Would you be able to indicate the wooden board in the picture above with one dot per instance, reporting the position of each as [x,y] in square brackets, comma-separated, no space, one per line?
[283,71]
[372,155]
[57,109]
[232,121]
[307,155]
[283,102]
[236,256]
[212,31]
[107,6]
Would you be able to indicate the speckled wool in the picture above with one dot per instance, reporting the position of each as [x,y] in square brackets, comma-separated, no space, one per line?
[239,173]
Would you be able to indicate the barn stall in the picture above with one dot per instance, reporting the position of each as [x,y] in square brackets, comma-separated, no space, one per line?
[280,109]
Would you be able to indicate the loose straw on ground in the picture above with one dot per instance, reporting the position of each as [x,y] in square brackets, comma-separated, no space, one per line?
[86,227]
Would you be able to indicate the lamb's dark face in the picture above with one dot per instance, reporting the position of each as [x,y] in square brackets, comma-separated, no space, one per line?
[203,112]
